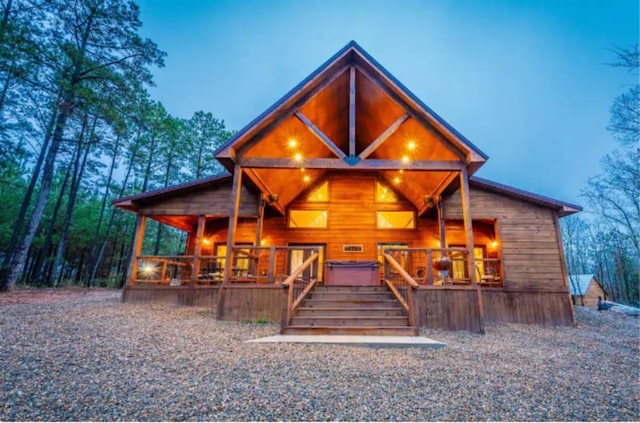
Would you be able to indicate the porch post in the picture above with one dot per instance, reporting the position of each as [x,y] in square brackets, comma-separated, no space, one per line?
[138,237]
[197,251]
[440,208]
[236,188]
[259,222]
[468,229]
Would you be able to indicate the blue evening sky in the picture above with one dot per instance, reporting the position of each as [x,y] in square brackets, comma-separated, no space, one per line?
[524,80]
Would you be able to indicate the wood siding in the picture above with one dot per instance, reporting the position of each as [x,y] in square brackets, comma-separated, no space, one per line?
[448,308]
[253,302]
[209,202]
[200,297]
[527,306]
[351,220]
[527,235]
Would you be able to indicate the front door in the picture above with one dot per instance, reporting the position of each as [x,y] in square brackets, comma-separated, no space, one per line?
[298,256]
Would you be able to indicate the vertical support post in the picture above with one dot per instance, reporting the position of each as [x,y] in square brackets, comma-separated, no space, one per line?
[441,229]
[468,229]
[138,237]
[236,189]
[197,251]
[429,267]
[259,222]
[272,265]
[565,276]
[233,220]
[254,262]
[352,111]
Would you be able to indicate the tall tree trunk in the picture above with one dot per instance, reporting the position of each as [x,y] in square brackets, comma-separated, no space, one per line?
[92,253]
[43,263]
[16,265]
[26,201]
[98,260]
[73,193]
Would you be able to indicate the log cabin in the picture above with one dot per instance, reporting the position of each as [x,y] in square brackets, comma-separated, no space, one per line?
[350,206]
[585,290]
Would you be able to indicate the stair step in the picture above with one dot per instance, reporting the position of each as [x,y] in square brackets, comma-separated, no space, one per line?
[355,303]
[346,288]
[349,311]
[351,330]
[345,295]
[350,321]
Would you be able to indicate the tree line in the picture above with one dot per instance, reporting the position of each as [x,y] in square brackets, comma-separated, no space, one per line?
[605,241]
[78,129]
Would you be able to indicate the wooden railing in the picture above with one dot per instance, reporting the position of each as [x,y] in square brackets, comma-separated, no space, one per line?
[298,288]
[163,270]
[404,295]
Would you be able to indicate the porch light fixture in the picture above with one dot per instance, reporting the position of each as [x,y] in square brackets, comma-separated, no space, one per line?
[297,157]
[206,241]
[396,180]
[148,269]
[292,143]
[493,244]
[411,145]
[307,178]
[405,159]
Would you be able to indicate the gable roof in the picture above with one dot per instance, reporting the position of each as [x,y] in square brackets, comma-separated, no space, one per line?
[579,284]
[350,48]
[564,209]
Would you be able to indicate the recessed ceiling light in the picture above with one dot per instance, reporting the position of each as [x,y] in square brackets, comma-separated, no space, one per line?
[292,142]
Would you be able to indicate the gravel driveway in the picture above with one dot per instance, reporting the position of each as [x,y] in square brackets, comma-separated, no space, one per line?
[93,358]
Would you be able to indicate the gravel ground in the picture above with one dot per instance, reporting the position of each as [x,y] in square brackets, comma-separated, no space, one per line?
[93,358]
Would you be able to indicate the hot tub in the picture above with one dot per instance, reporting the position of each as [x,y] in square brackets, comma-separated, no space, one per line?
[354,272]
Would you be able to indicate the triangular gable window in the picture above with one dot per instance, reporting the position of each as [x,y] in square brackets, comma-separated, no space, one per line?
[384,194]
[320,194]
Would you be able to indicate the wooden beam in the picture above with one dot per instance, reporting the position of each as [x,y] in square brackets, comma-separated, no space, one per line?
[370,164]
[257,180]
[285,113]
[197,251]
[138,238]
[415,107]
[352,111]
[320,135]
[468,229]
[259,222]
[383,137]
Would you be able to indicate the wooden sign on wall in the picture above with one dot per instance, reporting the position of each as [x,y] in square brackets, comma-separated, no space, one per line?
[352,248]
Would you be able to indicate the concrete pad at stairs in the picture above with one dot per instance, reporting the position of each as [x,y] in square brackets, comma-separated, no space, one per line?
[356,340]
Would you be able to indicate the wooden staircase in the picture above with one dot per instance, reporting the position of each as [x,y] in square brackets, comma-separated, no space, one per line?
[350,310]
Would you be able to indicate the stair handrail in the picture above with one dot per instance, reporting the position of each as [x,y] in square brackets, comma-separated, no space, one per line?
[409,304]
[290,282]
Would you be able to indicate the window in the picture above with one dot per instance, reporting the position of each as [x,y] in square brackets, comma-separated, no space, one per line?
[396,220]
[320,194]
[307,218]
[384,194]
[460,266]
